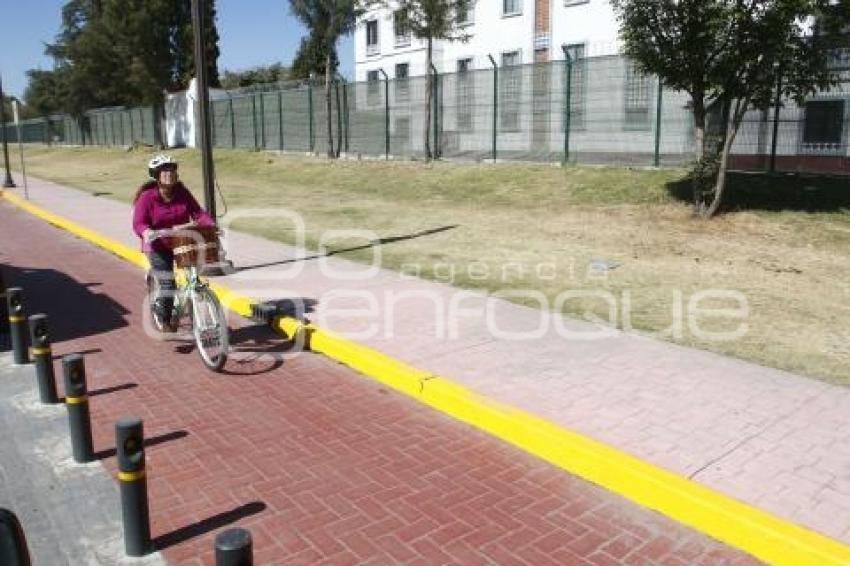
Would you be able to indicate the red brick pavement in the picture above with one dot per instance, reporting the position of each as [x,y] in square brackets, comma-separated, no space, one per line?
[322,465]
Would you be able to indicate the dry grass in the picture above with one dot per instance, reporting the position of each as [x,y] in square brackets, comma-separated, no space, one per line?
[787,249]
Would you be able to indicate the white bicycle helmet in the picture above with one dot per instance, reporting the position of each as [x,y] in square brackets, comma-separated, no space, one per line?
[159,161]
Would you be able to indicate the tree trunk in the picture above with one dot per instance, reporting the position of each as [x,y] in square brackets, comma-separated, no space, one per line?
[720,183]
[428,93]
[699,151]
[329,105]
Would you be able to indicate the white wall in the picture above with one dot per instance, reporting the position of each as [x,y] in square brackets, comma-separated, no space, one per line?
[592,22]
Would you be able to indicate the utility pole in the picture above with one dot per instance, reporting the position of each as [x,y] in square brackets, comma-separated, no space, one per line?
[202,125]
[7,182]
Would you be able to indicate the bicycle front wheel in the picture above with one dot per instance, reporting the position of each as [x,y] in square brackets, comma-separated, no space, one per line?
[209,326]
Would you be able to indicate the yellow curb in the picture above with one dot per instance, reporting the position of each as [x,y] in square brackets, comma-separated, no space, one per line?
[738,524]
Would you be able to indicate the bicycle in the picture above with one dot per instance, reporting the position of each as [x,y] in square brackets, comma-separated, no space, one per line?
[192,249]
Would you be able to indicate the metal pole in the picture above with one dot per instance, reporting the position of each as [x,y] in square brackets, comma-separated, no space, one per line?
[202,120]
[212,123]
[254,118]
[347,122]
[263,116]
[338,118]
[21,150]
[17,324]
[130,445]
[7,182]
[657,160]
[776,105]
[568,62]
[232,124]
[280,119]
[42,355]
[386,114]
[310,115]
[77,403]
[495,101]
[234,547]
[13,550]
[434,90]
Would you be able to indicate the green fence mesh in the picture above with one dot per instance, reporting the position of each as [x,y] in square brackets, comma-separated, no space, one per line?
[598,110]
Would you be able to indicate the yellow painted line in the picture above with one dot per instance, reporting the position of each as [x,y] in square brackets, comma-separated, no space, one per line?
[39,350]
[117,248]
[15,318]
[131,476]
[738,524]
[76,400]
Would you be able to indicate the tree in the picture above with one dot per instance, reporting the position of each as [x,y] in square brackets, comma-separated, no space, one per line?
[127,52]
[274,73]
[431,20]
[328,20]
[729,55]
[311,57]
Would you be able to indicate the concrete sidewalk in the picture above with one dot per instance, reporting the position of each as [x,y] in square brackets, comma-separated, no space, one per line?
[762,436]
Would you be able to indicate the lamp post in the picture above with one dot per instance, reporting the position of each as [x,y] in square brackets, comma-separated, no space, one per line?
[202,124]
[7,182]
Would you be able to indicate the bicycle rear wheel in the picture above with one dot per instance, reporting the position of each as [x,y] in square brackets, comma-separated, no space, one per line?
[209,326]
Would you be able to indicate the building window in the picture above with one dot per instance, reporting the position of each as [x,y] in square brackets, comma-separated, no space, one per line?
[823,124]
[637,96]
[372,37]
[402,84]
[511,90]
[373,88]
[466,15]
[401,29]
[465,94]
[511,7]
[577,85]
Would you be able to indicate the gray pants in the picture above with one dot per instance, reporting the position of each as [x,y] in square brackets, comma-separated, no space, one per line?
[162,269]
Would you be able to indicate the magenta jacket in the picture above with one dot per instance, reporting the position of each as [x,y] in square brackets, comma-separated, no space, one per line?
[150,211]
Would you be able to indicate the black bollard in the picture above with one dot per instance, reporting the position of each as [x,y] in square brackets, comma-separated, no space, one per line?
[129,442]
[233,547]
[17,324]
[42,356]
[4,309]
[13,543]
[77,401]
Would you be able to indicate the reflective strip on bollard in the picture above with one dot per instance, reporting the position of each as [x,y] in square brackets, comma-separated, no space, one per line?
[131,476]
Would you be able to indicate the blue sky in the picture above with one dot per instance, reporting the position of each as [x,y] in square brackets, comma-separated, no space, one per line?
[252,32]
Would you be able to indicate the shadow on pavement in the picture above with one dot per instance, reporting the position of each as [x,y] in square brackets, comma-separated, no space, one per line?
[254,349]
[152,441]
[207,525]
[73,310]
[113,389]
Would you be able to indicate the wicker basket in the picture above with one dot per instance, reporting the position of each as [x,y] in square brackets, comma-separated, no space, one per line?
[195,247]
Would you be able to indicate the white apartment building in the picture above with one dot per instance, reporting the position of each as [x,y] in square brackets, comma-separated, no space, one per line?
[616,113]
[511,31]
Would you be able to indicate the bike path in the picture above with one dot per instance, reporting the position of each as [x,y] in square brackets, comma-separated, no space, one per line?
[321,464]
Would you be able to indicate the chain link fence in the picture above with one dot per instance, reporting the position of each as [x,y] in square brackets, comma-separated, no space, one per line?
[597,110]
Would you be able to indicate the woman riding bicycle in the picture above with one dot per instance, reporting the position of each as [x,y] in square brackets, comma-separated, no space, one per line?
[160,205]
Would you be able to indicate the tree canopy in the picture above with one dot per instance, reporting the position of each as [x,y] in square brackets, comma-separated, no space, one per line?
[121,52]
[327,21]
